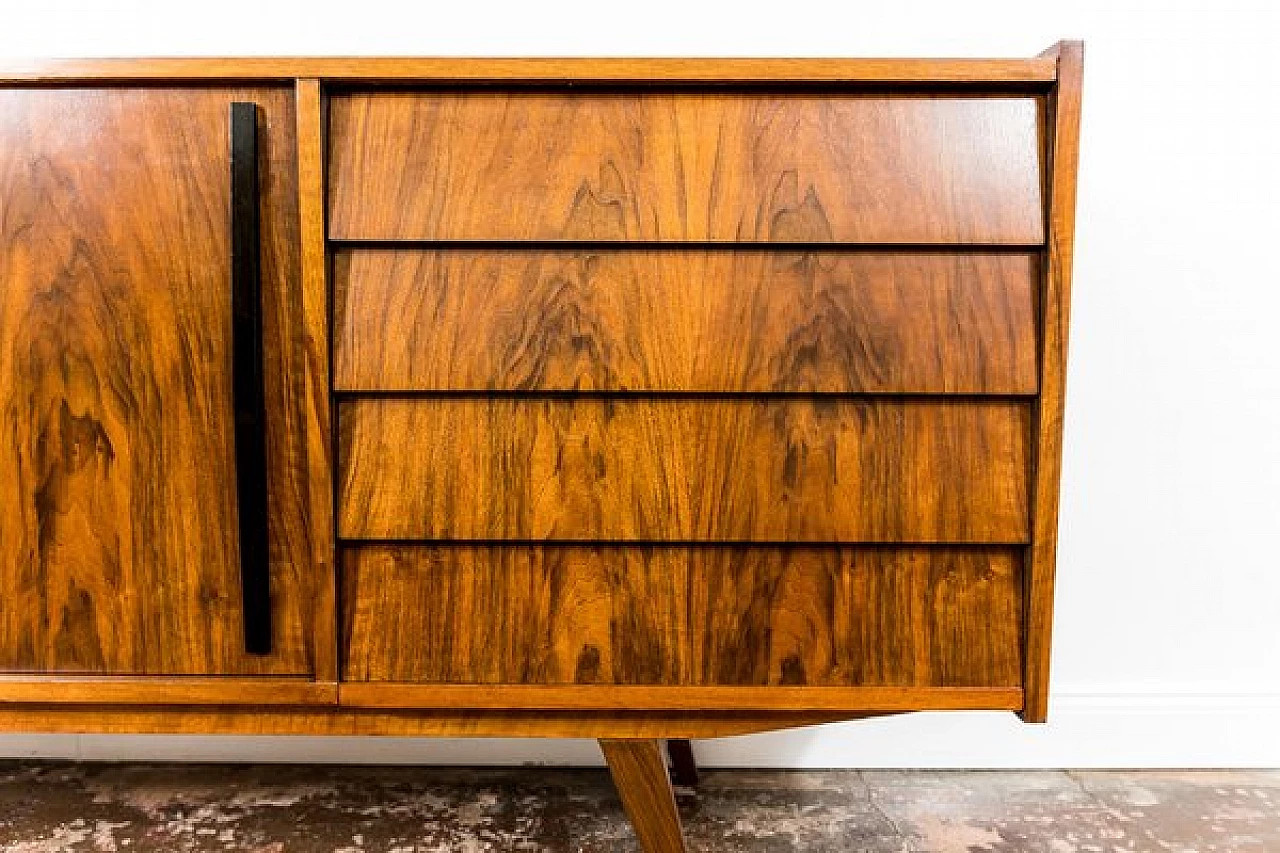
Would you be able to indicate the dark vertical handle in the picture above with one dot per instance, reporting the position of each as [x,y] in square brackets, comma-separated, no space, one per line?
[246,378]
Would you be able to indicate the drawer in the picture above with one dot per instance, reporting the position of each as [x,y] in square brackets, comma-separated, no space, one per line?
[672,615]
[721,167]
[610,319]
[671,469]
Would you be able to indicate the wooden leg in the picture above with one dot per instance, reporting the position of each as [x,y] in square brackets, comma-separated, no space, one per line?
[684,770]
[640,775]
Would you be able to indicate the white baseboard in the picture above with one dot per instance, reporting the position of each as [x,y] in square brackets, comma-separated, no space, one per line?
[1095,730]
[1086,730]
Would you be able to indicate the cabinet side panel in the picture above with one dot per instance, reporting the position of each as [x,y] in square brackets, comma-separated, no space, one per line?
[1064,147]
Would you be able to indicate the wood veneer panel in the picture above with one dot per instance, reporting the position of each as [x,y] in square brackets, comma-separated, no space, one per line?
[155,690]
[674,320]
[118,549]
[663,469]
[539,69]
[679,615]
[1042,557]
[316,397]
[486,165]
[588,698]
[269,720]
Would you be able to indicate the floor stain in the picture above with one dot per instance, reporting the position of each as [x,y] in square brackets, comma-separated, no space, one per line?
[138,808]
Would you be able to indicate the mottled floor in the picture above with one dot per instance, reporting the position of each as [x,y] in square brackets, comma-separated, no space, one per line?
[272,809]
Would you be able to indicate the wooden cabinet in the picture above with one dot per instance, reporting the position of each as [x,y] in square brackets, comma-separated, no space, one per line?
[628,399]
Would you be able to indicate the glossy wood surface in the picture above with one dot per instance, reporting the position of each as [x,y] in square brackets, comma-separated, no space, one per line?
[155,690]
[725,469]
[640,774]
[1042,558]
[707,166]
[117,503]
[679,615]
[274,720]
[666,697]
[683,320]
[640,70]
[567,475]
[315,374]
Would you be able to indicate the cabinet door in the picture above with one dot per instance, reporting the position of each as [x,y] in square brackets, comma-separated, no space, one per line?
[119,543]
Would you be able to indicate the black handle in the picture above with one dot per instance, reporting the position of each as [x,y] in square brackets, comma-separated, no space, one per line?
[246,380]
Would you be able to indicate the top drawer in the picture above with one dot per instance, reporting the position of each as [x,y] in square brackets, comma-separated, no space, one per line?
[711,167]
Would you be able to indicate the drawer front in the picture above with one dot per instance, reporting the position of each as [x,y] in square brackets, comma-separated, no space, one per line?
[734,616]
[684,320]
[685,166]
[662,469]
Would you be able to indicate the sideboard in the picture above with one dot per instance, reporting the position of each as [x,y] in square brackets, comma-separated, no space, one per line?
[631,399]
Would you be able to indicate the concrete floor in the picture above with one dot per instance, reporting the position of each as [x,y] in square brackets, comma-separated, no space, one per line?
[48,807]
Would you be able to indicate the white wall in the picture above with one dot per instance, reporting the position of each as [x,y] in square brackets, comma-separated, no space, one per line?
[1168,642]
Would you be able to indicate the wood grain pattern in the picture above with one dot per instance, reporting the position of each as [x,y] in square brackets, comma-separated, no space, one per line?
[664,70]
[158,690]
[115,398]
[642,320]
[662,469]
[314,339]
[117,502]
[268,720]
[487,165]
[1042,556]
[590,698]
[684,616]
[640,775]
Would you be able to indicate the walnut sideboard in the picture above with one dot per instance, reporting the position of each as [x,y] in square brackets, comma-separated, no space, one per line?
[625,399]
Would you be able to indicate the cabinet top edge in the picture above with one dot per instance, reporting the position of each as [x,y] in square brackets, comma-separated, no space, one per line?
[1040,69]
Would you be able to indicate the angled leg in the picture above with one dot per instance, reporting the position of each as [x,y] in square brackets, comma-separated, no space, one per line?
[640,775]
[684,770]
